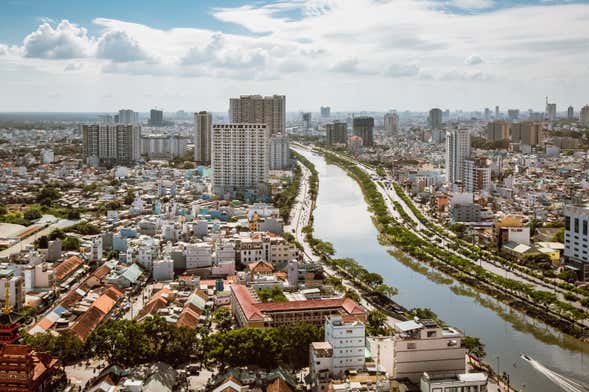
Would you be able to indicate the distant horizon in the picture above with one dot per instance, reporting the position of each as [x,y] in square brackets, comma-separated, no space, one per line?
[69,56]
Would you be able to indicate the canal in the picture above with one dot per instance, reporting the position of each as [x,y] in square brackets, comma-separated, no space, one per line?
[341,218]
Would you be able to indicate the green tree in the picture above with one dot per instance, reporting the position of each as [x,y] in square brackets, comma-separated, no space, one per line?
[271,294]
[70,243]
[3,209]
[376,323]
[352,295]
[42,242]
[65,346]
[48,195]
[474,347]
[32,214]
[223,319]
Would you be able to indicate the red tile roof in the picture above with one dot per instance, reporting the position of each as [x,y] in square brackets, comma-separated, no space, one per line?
[246,302]
[64,269]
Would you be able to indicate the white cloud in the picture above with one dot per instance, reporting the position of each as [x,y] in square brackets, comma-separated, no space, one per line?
[73,67]
[323,42]
[119,47]
[473,60]
[472,4]
[400,70]
[65,41]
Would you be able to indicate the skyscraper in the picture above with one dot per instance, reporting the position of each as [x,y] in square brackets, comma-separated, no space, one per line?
[279,154]
[497,113]
[240,158]
[255,109]
[435,118]
[203,122]
[336,133]
[497,130]
[457,150]
[325,112]
[306,120]
[112,143]
[156,118]
[571,113]
[391,123]
[584,116]
[513,114]
[550,111]
[128,116]
[527,132]
[363,127]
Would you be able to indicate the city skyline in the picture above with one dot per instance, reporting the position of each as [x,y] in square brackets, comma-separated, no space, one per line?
[467,54]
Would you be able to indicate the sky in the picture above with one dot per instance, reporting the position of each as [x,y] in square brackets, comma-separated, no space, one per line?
[375,55]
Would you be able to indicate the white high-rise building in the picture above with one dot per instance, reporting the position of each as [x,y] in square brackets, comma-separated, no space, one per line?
[112,143]
[279,152]
[240,158]
[128,116]
[164,146]
[391,123]
[203,122]
[457,150]
[255,109]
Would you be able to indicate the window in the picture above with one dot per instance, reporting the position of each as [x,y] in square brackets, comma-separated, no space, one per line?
[411,346]
[576,225]
[584,227]
[431,334]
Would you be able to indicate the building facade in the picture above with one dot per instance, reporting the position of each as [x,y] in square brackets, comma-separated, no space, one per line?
[391,123]
[424,347]
[256,109]
[336,133]
[497,130]
[527,133]
[584,116]
[111,143]
[203,124]
[128,116]
[325,112]
[156,118]
[576,240]
[279,153]
[363,127]
[240,158]
[435,118]
[163,146]
[457,150]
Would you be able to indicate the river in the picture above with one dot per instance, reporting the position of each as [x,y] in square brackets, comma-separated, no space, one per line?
[341,218]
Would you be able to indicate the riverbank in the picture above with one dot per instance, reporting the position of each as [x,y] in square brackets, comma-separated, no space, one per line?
[533,302]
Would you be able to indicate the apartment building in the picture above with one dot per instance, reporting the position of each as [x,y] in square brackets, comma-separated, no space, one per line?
[279,154]
[457,150]
[423,346]
[527,133]
[363,127]
[336,133]
[391,123]
[203,123]
[240,159]
[576,240]
[256,109]
[157,146]
[342,350]
[111,143]
[497,130]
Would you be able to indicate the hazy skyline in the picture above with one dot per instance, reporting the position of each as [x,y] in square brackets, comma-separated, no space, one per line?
[350,55]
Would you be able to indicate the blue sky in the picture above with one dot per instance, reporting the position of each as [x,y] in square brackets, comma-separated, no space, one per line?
[351,54]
